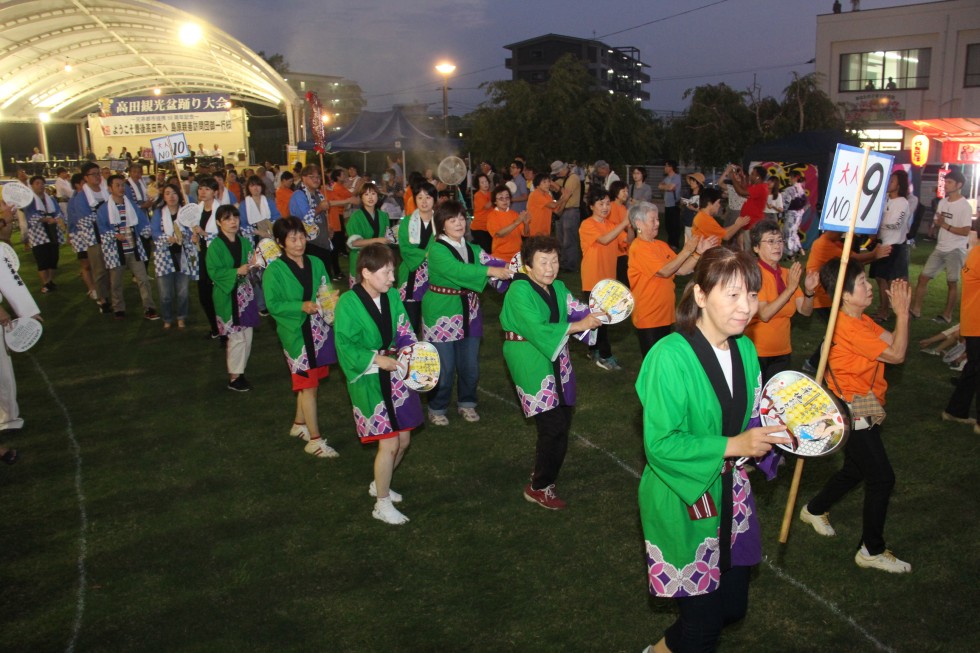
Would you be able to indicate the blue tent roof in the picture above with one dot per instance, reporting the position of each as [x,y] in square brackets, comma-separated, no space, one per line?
[384,131]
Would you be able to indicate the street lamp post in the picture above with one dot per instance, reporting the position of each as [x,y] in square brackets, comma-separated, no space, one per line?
[445,69]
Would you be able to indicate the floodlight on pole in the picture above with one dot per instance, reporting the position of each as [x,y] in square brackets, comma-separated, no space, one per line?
[190,34]
[445,69]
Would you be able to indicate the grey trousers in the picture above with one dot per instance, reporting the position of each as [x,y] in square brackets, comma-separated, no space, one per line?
[138,268]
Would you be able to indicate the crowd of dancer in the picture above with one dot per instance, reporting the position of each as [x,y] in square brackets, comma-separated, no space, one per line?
[704,359]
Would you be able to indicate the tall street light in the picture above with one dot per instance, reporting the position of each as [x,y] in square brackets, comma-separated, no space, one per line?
[445,69]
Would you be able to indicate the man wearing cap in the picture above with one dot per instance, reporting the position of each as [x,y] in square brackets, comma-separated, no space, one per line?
[569,218]
[953,221]
[671,186]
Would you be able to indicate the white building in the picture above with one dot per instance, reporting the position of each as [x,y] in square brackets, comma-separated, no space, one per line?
[919,64]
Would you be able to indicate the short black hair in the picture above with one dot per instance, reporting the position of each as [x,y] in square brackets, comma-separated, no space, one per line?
[829,272]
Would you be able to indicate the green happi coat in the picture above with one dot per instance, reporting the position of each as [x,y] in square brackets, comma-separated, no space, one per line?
[235,305]
[685,452]
[373,392]
[540,365]
[359,227]
[443,317]
[298,331]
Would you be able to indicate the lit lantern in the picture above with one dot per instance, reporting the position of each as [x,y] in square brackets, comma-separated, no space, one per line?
[920,150]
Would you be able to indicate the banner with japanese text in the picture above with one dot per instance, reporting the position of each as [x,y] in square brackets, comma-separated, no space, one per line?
[154,104]
[166,123]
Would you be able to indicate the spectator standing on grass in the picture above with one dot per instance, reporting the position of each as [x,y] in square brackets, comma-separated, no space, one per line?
[894,225]
[519,200]
[691,205]
[292,284]
[569,215]
[855,368]
[230,258]
[652,267]
[953,220]
[122,227]
[756,192]
[538,316]
[698,388]
[372,326]
[794,204]
[967,389]
[735,201]
[602,242]
[451,316]
[780,297]
[671,187]
[640,190]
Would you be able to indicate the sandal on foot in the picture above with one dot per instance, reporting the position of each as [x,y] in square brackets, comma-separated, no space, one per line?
[438,420]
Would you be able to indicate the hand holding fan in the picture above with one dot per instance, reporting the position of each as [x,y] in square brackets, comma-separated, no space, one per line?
[22,333]
[419,366]
[612,298]
[18,194]
[814,418]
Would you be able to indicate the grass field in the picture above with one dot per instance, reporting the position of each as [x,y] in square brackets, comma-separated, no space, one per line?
[154,510]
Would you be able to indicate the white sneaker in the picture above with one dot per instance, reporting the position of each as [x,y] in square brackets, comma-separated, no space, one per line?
[300,430]
[93,295]
[886,561]
[394,496]
[820,523]
[320,449]
[385,510]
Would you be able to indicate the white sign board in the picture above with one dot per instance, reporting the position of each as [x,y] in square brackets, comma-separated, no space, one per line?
[168,148]
[844,185]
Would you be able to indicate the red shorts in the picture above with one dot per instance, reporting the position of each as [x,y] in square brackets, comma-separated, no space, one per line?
[312,378]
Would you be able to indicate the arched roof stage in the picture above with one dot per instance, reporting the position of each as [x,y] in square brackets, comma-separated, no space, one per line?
[119,48]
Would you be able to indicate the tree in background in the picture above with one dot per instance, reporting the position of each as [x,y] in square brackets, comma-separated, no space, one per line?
[277,61]
[567,117]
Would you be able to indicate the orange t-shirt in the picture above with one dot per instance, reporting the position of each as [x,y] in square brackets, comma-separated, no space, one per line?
[654,296]
[705,225]
[537,207]
[599,261]
[409,199]
[854,353]
[283,195]
[480,214]
[772,338]
[504,248]
[970,299]
[236,190]
[338,192]
[823,249]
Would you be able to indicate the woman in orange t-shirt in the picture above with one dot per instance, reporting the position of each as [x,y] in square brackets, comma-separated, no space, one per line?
[482,207]
[705,224]
[602,242]
[652,266]
[857,351]
[770,328]
[506,226]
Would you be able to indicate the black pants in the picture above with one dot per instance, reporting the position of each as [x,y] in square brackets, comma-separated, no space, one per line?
[339,240]
[865,460]
[815,356]
[968,386]
[698,628]
[553,427]
[602,342]
[773,365]
[622,270]
[325,255]
[672,220]
[414,310]
[649,337]
[206,296]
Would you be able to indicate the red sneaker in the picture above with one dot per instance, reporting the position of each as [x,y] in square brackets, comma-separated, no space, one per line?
[545,498]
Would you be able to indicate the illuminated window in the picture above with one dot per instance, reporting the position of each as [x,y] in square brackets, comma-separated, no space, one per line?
[885,71]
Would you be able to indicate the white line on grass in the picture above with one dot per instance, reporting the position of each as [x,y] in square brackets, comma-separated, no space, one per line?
[83,516]
[782,575]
